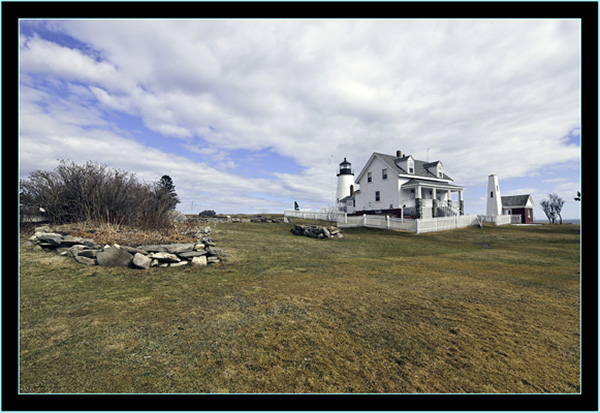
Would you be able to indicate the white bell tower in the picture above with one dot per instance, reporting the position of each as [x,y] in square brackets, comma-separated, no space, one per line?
[494,203]
[345,180]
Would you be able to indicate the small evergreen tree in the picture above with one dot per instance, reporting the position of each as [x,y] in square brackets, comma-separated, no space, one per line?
[165,195]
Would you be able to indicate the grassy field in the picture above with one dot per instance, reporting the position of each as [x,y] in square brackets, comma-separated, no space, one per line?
[485,310]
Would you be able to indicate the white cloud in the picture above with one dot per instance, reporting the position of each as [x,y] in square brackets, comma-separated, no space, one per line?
[489,96]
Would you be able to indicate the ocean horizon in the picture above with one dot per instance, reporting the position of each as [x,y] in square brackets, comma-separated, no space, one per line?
[565,221]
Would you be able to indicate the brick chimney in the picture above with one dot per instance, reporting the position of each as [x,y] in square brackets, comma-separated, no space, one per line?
[398,154]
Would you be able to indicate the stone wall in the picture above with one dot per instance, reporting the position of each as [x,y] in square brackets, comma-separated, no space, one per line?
[86,251]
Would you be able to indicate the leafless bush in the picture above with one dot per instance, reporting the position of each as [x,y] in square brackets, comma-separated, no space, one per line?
[93,192]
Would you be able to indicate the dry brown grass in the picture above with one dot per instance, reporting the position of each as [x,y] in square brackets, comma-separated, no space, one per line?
[475,310]
[129,235]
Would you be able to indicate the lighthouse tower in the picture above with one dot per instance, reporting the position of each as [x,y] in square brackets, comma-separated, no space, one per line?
[494,203]
[345,180]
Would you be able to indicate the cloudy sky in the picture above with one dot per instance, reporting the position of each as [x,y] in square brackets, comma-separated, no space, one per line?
[248,116]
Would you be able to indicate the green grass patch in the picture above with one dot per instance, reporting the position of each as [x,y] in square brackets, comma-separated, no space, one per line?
[492,309]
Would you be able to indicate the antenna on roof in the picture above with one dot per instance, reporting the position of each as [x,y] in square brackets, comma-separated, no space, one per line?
[427,155]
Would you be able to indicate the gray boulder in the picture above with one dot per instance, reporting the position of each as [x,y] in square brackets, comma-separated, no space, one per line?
[141,261]
[178,264]
[114,257]
[179,248]
[192,254]
[200,261]
[164,257]
[89,253]
[50,239]
[216,251]
[85,260]
[69,240]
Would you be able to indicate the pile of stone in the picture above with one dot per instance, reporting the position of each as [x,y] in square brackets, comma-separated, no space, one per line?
[229,219]
[86,251]
[316,231]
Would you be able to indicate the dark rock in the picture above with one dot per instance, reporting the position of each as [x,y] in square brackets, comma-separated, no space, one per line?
[89,253]
[114,257]
[192,254]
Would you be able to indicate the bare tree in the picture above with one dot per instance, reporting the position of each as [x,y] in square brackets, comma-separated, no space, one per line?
[552,207]
[547,208]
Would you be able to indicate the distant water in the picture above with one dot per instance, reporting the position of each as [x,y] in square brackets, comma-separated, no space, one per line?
[565,221]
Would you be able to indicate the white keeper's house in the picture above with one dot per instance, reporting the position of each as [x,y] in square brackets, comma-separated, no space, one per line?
[398,185]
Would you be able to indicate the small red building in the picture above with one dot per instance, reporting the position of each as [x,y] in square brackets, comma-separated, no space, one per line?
[518,205]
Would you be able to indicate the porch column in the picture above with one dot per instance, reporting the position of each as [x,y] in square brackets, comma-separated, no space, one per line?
[461,203]
[419,202]
[434,203]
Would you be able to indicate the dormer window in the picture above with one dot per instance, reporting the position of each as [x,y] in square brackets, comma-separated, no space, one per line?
[440,171]
[411,167]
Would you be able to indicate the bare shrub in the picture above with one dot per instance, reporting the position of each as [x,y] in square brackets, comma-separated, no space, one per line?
[95,193]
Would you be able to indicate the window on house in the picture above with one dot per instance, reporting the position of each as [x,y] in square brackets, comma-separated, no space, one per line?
[412,194]
[369,177]
[411,167]
[440,172]
[384,174]
[491,194]
[377,196]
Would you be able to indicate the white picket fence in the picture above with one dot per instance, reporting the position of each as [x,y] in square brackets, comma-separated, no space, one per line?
[419,226]
[445,223]
[376,221]
[415,225]
[319,215]
[500,219]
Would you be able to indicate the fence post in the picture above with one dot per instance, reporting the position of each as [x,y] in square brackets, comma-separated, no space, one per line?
[387,221]
[365,220]
[345,217]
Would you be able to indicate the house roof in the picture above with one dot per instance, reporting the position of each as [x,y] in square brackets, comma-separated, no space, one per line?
[515,201]
[420,166]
